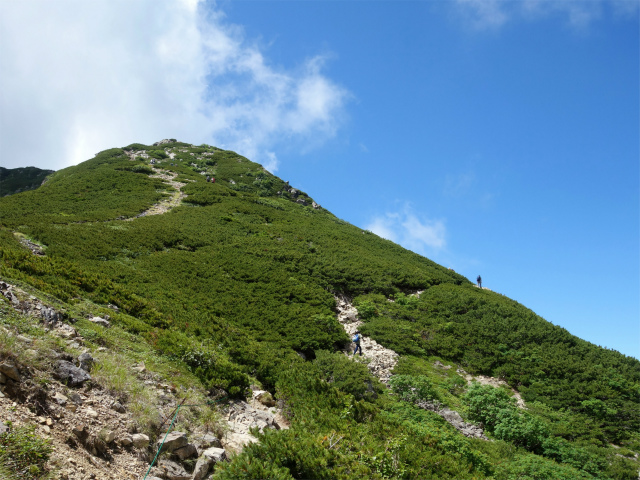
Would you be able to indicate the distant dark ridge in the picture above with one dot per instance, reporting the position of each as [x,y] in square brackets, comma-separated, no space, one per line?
[16,180]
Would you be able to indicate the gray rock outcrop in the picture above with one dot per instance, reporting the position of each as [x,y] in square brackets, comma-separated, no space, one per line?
[100,321]
[209,457]
[86,361]
[9,370]
[171,471]
[69,374]
[140,440]
[172,441]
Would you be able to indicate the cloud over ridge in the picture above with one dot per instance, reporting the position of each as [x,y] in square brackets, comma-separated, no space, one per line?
[79,77]
[411,230]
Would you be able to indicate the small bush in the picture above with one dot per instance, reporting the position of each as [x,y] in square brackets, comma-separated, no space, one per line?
[142,169]
[414,389]
[158,154]
[24,454]
[486,404]
[350,377]
[497,412]
[521,429]
[366,309]
[532,467]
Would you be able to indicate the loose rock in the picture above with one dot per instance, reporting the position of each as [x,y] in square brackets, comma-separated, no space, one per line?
[100,321]
[69,374]
[10,371]
[86,361]
[188,451]
[172,442]
[172,471]
[140,440]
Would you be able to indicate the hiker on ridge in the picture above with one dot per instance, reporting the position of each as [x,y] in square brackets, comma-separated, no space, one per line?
[356,340]
[479,279]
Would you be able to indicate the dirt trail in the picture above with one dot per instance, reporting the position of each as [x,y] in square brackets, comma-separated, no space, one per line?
[381,359]
[168,203]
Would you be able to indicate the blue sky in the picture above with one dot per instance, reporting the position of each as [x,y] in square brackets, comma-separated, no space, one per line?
[498,138]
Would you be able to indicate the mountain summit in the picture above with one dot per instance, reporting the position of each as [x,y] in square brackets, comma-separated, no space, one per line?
[194,268]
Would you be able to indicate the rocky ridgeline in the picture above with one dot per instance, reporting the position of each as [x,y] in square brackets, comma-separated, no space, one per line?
[382,360]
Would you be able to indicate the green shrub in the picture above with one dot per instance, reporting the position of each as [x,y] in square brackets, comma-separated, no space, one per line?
[346,375]
[563,451]
[366,309]
[497,412]
[532,467]
[456,385]
[158,154]
[521,429]
[136,146]
[414,389]
[487,404]
[23,453]
[288,454]
[142,169]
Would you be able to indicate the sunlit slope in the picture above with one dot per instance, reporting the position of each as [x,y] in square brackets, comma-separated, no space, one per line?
[243,275]
[238,255]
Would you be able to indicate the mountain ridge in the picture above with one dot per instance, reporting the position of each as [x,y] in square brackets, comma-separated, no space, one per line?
[237,282]
[16,180]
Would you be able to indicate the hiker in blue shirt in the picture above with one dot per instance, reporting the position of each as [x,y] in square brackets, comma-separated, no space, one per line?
[356,340]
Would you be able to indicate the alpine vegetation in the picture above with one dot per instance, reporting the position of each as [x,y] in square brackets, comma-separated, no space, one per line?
[177,311]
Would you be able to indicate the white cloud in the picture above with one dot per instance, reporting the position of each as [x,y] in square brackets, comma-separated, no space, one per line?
[79,77]
[411,230]
[483,13]
[579,14]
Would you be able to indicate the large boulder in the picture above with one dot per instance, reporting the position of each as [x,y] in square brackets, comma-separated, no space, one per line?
[140,440]
[216,454]
[86,361]
[202,468]
[188,451]
[172,471]
[10,371]
[209,457]
[264,398]
[209,440]
[100,321]
[69,374]
[173,441]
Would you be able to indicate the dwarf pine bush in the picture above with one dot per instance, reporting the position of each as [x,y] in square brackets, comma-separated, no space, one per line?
[23,454]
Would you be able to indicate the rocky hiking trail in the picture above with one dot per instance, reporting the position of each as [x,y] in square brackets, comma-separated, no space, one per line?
[169,179]
[381,361]
[168,203]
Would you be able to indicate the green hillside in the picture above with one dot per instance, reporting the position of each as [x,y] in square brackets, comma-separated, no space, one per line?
[237,284]
[16,180]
